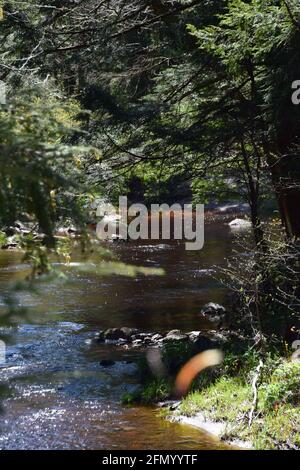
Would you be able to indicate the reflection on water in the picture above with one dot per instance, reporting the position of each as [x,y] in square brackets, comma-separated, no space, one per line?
[62,396]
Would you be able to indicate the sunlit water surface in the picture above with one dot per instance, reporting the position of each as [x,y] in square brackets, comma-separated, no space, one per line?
[61,397]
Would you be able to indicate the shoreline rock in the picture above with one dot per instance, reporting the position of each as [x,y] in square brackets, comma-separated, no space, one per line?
[214,428]
[200,421]
[132,338]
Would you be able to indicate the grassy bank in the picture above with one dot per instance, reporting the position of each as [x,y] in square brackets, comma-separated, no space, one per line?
[225,395]
[276,419]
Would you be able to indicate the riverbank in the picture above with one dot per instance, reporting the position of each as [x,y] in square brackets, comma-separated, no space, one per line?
[13,237]
[250,401]
[214,428]
[224,409]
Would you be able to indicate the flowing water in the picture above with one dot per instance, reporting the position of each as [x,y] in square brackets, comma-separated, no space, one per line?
[60,396]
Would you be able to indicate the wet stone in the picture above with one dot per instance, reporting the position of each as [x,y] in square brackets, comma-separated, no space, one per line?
[176,337]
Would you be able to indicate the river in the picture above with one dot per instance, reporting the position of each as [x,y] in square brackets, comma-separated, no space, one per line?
[60,396]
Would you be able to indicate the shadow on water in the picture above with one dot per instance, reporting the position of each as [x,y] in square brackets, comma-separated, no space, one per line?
[62,398]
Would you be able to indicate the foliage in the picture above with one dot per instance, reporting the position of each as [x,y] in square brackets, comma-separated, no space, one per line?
[187,93]
[266,287]
[229,398]
[3,239]
[38,171]
[176,353]
[283,387]
[153,392]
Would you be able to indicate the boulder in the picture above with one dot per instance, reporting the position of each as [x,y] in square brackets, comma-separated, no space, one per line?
[170,404]
[128,332]
[137,343]
[10,243]
[175,337]
[119,333]
[174,332]
[214,313]
[240,224]
[113,334]
[100,336]
[22,228]
[194,335]
[66,231]
[129,337]
[147,340]
[156,337]
[140,336]
[213,308]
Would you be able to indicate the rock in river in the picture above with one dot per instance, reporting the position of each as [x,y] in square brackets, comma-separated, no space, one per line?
[214,313]
[125,337]
[175,336]
[118,333]
[240,224]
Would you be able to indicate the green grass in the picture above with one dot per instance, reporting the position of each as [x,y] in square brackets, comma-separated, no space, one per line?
[152,392]
[229,399]
[224,394]
[226,399]
[278,430]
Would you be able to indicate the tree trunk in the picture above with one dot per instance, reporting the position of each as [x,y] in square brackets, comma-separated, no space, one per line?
[286,176]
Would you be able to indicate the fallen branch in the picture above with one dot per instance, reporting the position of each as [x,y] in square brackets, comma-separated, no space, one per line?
[255,393]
